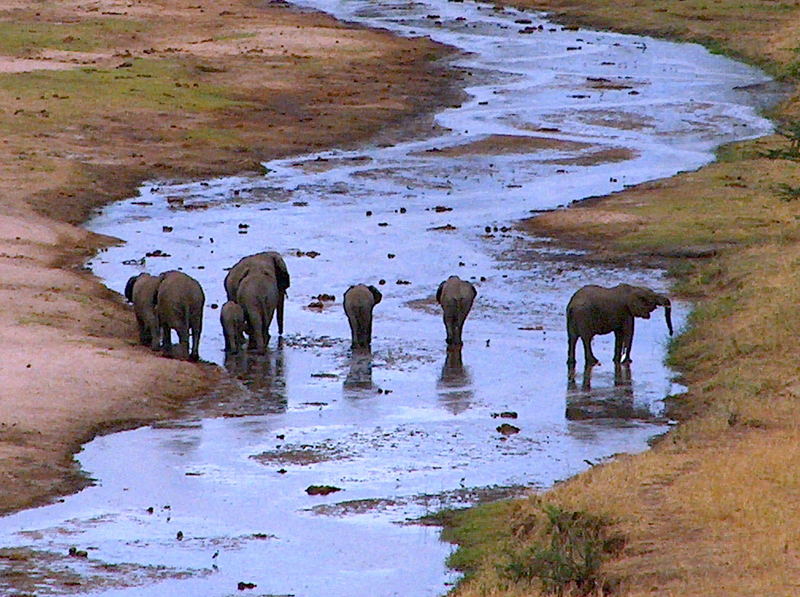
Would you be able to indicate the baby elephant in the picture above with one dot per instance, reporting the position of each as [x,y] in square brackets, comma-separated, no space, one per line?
[455,296]
[359,301]
[231,316]
[595,310]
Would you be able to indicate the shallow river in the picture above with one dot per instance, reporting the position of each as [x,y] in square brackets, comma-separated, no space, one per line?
[554,116]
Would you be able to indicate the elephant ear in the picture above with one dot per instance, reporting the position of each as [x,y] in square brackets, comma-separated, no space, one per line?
[281,272]
[129,287]
[376,294]
[439,292]
[640,303]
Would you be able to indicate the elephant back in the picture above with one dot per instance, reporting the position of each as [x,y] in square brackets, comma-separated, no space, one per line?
[269,262]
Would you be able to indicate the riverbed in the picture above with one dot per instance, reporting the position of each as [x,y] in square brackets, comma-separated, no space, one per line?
[552,116]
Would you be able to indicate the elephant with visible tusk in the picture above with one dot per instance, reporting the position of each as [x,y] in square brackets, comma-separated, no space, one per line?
[141,291]
[455,296]
[179,304]
[359,301]
[269,263]
[596,310]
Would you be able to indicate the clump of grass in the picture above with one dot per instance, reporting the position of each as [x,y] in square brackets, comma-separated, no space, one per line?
[791,132]
[566,558]
[787,192]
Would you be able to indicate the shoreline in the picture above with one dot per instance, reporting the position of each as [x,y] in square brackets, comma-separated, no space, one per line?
[50,406]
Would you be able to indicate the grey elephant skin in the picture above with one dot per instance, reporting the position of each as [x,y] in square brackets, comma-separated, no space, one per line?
[259,295]
[269,263]
[359,301]
[179,306]
[456,297]
[231,317]
[141,291]
[596,310]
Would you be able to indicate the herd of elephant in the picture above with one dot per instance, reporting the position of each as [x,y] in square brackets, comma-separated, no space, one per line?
[256,289]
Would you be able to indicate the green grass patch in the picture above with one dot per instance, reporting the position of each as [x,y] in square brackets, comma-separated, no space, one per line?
[25,39]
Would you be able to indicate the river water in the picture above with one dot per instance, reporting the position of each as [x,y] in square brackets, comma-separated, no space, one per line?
[196,506]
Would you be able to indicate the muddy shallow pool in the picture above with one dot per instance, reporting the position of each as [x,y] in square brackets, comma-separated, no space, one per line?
[200,505]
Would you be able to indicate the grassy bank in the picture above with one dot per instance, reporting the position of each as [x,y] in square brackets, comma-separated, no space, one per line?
[710,510]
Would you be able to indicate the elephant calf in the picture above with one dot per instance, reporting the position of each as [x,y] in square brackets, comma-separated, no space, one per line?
[455,296]
[231,316]
[179,306]
[141,291]
[359,301]
[595,310]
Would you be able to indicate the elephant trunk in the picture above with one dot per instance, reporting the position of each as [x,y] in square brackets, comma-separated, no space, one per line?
[668,316]
[281,298]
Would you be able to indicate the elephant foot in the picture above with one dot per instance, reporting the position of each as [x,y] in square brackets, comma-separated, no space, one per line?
[627,361]
[194,358]
[592,362]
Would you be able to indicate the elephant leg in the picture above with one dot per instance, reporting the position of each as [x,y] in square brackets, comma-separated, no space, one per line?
[166,339]
[183,340]
[196,329]
[619,344]
[628,343]
[450,326]
[144,336]
[257,342]
[368,333]
[572,341]
[281,299]
[589,357]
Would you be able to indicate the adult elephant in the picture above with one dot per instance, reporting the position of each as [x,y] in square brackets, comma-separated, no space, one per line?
[179,306]
[268,262]
[259,295]
[456,297]
[359,301]
[141,291]
[596,310]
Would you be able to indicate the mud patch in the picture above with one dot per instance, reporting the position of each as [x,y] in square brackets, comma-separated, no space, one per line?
[430,501]
[303,455]
[505,145]
[604,156]
[28,571]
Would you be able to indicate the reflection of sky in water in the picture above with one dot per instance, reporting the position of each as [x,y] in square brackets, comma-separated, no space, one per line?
[410,426]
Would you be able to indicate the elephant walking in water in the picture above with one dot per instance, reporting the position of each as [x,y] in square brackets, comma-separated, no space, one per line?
[231,317]
[455,296]
[259,295]
[269,263]
[595,310]
[141,291]
[359,301]
[179,306]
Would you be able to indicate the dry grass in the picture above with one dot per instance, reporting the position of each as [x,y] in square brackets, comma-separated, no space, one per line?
[711,510]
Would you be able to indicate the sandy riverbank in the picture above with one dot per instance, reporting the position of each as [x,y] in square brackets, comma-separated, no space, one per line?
[97,98]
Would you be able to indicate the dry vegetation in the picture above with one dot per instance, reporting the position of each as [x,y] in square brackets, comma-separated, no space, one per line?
[711,510]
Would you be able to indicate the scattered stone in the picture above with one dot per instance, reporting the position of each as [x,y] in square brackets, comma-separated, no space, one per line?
[383,224]
[166,229]
[322,489]
[179,536]
[508,414]
[157,253]
[381,282]
[402,282]
[507,429]
[441,209]
[369,213]
[243,586]
[316,305]
[324,297]
[74,552]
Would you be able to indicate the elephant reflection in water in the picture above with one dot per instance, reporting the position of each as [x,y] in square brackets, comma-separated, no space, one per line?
[264,378]
[359,376]
[455,383]
[604,402]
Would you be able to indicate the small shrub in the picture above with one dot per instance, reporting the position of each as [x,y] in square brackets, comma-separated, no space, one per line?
[568,556]
[787,192]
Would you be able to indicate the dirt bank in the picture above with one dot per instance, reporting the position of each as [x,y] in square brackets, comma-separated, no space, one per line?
[710,510]
[95,98]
